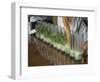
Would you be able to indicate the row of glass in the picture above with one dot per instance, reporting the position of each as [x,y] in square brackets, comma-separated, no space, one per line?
[56,36]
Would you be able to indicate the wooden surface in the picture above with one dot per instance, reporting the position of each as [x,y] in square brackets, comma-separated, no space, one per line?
[34,57]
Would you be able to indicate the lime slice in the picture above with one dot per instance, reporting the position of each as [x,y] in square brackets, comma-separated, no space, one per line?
[78,55]
[72,53]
